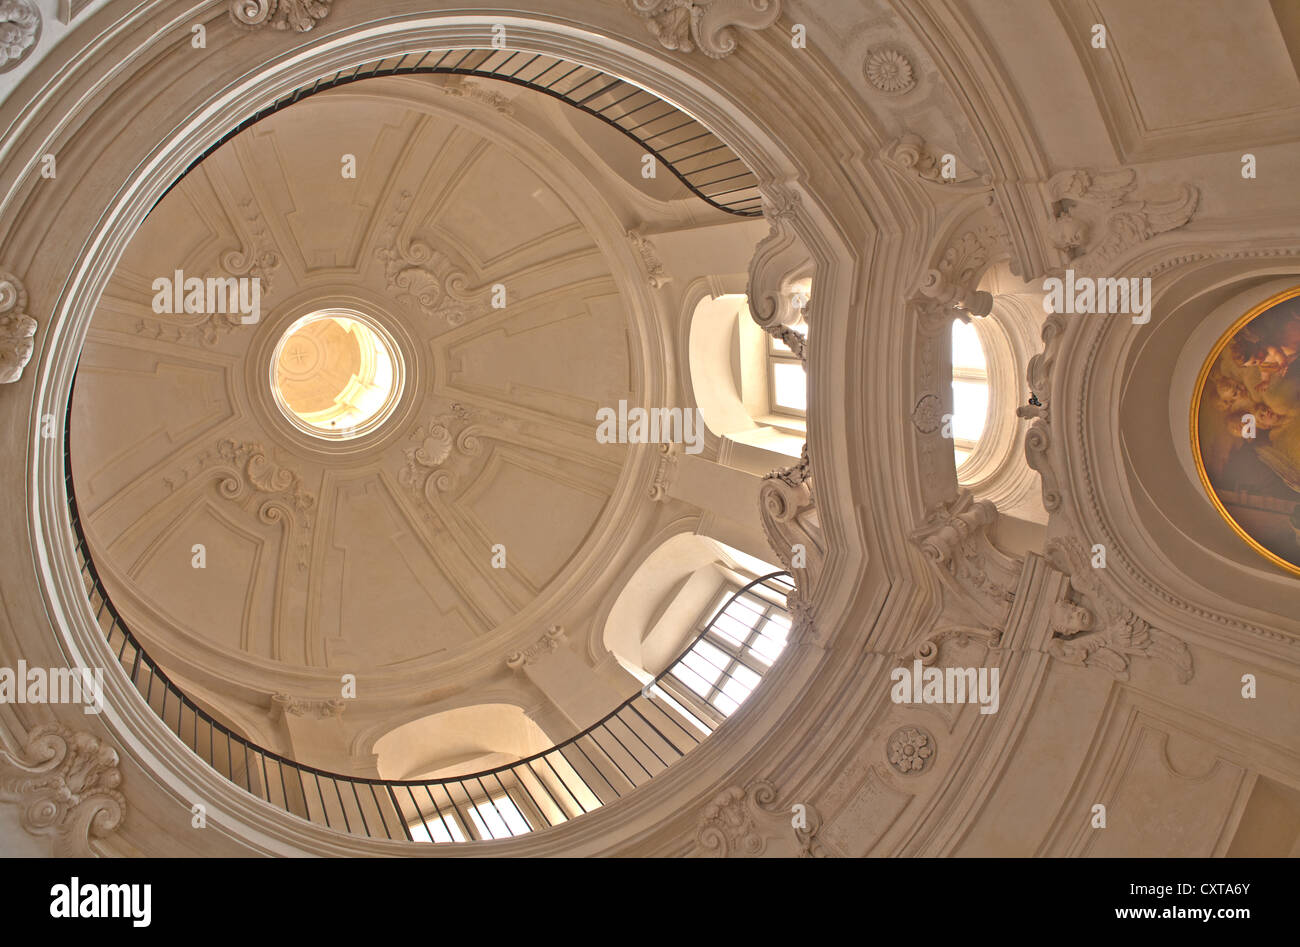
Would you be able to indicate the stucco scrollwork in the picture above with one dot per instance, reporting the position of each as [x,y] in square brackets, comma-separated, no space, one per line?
[66,783]
[1096,218]
[1096,629]
[748,823]
[788,512]
[550,642]
[16,329]
[297,15]
[707,25]
[656,275]
[424,277]
[912,154]
[252,472]
[954,537]
[20,28]
[321,708]
[779,259]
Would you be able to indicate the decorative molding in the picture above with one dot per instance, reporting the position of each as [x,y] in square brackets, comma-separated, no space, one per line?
[954,537]
[466,87]
[66,783]
[778,260]
[1096,219]
[656,275]
[788,512]
[1093,628]
[69,10]
[320,707]
[665,472]
[707,25]
[911,153]
[420,276]
[259,260]
[443,451]
[889,70]
[548,643]
[16,329]
[948,289]
[20,28]
[927,414]
[748,823]
[1038,439]
[910,750]
[254,473]
[927,651]
[297,15]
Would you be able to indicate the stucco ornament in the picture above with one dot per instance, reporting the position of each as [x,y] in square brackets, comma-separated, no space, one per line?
[706,25]
[20,27]
[16,329]
[889,70]
[297,15]
[911,750]
[66,783]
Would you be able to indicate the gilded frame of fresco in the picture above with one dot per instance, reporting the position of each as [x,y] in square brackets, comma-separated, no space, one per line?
[1197,398]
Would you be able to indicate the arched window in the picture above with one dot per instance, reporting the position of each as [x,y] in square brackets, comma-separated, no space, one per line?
[970,390]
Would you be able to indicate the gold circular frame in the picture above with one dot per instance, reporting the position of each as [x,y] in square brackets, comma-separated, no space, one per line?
[1197,393]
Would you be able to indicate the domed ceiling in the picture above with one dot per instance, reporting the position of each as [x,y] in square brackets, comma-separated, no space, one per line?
[387,460]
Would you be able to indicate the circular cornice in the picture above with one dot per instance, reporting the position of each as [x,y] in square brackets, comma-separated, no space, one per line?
[762,145]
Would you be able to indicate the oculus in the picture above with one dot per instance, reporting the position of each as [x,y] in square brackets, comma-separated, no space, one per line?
[336,374]
[1245,425]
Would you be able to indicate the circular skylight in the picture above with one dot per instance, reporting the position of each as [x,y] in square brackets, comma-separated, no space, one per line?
[336,374]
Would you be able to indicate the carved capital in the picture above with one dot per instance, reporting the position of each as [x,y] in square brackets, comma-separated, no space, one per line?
[707,25]
[665,472]
[297,15]
[948,289]
[16,329]
[748,823]
[66,783]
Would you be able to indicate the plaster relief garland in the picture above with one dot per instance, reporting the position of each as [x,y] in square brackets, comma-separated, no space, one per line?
[297,15]
[321,708]
[20,28]
[707,25]
[16,329]
[66,783]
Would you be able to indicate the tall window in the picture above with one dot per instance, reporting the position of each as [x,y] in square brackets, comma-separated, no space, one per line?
[786,379]
[743,639]
[970,390]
